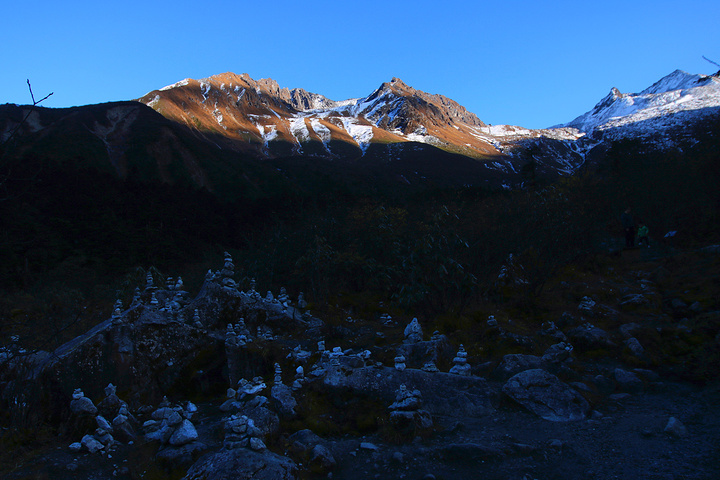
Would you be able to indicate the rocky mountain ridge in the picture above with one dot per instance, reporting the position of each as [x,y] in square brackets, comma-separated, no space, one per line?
[259,116]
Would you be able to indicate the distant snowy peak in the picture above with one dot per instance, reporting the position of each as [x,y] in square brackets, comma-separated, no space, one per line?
[678,80]
[679,92]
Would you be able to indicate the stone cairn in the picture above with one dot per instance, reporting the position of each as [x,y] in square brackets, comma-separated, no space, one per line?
[301,302]
[80,404]
[430,367]
[248,392]
[171,425]
[111,407]
[400,363]
[242,332]
[335,356]
[241,432]
[264,332]
[283,297]
[179,298]
[281,394]
[278,374]
[136,300]
[252,293]
[387,320]
[557,353]
[413,332]
[231,339]
[123,422]
[461,366]
[300,379]
[227,272]
[196,320]
[117,313]
[238,335]
[406,414]
[551,330]
[149,282]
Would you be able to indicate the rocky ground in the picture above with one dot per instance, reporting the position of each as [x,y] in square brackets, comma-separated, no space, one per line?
[621,383]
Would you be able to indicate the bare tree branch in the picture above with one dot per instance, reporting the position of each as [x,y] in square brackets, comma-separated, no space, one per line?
[22,122]
[714,63]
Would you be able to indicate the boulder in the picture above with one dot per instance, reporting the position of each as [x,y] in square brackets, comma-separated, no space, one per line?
[547,396]
[676,428]
[557,353]
[161,435]
[416,354]
[91,444]
[181,457]
[243,463]
[321,459]
[184,434]
[516,363]
[589,337]
[283,400]
[83,405]
[627,381]
[635,348]
[633,300]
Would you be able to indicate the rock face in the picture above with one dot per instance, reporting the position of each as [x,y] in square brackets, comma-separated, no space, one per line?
[545,395]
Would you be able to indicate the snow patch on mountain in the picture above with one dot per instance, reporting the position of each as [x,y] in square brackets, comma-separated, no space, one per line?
[362,134]
[299,129]
[321,130]
[153,103]
[181,83]
[268,132]
[240,92]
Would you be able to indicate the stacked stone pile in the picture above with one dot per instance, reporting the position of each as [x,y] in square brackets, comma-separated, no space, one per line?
[461,366]
[406,414]
[282,396]
[241,432]
[418,352]
[227,272]
[106,433]
[413,332]
[245,394]
[171,425]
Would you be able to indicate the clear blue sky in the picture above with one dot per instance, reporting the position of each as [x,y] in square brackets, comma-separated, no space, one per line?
[527,63]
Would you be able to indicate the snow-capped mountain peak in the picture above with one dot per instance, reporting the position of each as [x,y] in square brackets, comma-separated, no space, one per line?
[677,80]
[675,94]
